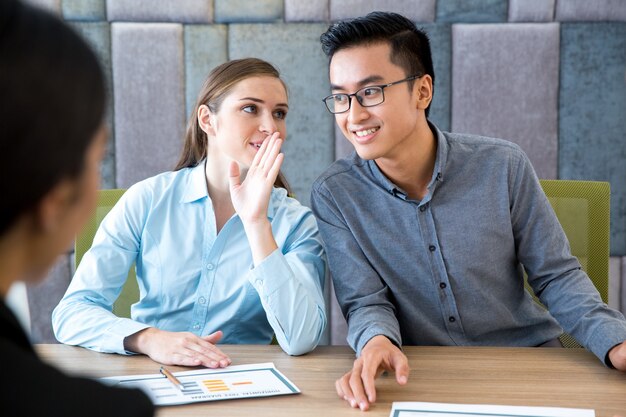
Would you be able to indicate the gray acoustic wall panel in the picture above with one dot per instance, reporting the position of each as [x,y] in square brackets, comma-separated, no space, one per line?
[184,11]
[468,11]
[148,78]
[441,49]
[205,48]
[506,80]
[419,11]
[592,117]
[531,10]
[90,10]
[615,282]
[306,10]
[44,297]
[586,10]
[232,11]
[309,147]
[98,35]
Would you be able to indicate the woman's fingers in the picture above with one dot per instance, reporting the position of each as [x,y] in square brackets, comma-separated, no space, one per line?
[261,155]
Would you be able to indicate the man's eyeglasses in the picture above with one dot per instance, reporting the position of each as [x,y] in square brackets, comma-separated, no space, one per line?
[369,96]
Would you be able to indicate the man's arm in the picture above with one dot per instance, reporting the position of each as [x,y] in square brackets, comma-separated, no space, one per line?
[554,273]
[362,294]
[373,330]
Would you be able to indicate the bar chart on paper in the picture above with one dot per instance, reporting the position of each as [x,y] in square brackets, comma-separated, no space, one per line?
[242,381]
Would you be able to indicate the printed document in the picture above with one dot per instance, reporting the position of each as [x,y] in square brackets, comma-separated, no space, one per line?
[241,381]
[418,409]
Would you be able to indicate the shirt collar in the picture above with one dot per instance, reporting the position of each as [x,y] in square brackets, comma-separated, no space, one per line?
[197,189]
[438,170]
[196,184]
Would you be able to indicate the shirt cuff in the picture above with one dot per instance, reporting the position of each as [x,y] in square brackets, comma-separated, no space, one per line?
[123,327]
[271,274]
[605,339]
[371,333]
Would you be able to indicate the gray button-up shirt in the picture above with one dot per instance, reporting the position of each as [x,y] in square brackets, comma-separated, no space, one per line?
[448,270]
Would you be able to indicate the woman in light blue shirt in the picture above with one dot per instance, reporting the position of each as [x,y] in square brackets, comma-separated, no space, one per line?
[222,252]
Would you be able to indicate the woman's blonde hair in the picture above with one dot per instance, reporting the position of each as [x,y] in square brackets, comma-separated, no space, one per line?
[217,86]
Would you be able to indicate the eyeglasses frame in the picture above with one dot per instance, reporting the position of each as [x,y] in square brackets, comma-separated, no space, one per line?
[355,94]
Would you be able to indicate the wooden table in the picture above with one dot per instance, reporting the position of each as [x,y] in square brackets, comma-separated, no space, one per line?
[470,375]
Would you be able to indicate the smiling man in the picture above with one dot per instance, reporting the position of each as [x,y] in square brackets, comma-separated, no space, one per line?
[428,233]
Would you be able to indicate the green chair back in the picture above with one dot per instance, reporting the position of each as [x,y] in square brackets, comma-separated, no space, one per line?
[130,292]
[583,209]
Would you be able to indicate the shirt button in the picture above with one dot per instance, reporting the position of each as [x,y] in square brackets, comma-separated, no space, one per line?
[423,208]
[432,248]
[202,300]
[196,326]
[451,319]
[209,267]
[259,282]
[442,285]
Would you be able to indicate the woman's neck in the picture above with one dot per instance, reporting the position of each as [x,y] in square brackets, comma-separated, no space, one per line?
[218,187]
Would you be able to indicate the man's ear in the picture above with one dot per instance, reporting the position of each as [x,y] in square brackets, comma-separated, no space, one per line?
[53,207]
[423,89]
[207,120]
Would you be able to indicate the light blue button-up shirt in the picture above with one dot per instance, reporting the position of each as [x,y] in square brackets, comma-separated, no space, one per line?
[193,279]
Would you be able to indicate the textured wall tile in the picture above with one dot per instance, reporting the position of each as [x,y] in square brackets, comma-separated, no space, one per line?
[585,10]
[91,10]
[227,11]
[149,98]
[50,5]
[468,11]
[184,11]
[98,35]
[505,80]
[615,282]
[592,117]
[440,35]
[306,10]
[295,50]
[44,297]
[422,11]
[205,48]
[531,10]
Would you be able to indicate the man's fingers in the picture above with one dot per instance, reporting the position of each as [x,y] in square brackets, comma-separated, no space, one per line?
[401,366]
[368,376]
[343,388]
[356,385]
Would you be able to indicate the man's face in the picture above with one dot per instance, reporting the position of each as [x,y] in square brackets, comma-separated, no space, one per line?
[379,131]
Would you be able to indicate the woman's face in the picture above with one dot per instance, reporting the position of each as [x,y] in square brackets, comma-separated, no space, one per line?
[255,108]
